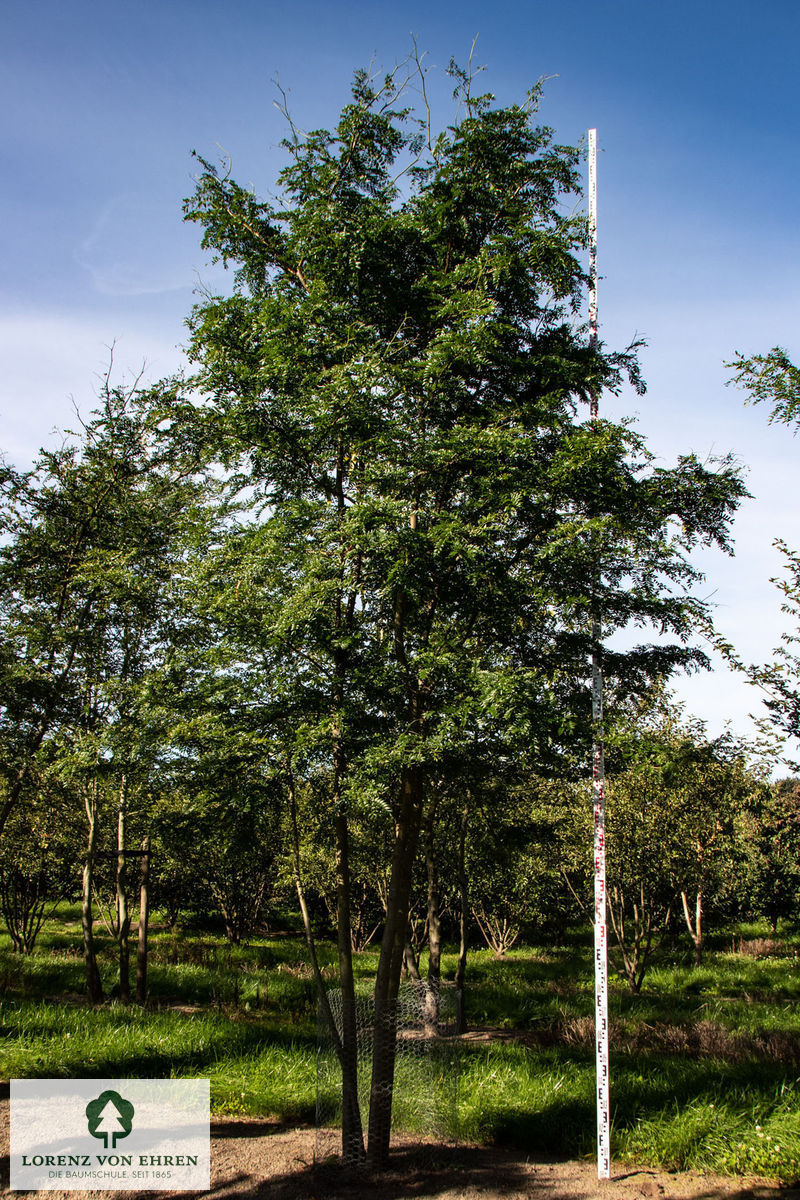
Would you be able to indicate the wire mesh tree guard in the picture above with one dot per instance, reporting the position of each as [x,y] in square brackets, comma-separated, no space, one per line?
[426,1076]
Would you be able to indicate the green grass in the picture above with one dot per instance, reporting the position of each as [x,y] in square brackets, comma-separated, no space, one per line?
[252,1068]
[246,1019]
[672,1113]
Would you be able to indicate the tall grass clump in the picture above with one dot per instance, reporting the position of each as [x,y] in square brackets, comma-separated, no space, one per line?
[739,1134]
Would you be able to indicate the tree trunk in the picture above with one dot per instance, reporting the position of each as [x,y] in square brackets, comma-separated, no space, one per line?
[463,927]
[144,912]
[411,966]
[123,916]
[94,987]
[696,928]
[348,1081]
[434,981]
[389,964]
[352,1132]
[395,932]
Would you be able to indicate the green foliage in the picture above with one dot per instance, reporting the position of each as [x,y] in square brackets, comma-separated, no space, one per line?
[397,376]
[681,814]
[514,863]
[36,869]
[231,835]
[769,867]
[778,679]
[770,379]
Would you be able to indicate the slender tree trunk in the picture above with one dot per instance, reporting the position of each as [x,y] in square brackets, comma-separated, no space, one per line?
[322,991]
[123,916]
[94,987]
[395,933]
[695,928]
[352,1131]
[434,981]
[144,913]
[389,965]
[463,926]
[411,965]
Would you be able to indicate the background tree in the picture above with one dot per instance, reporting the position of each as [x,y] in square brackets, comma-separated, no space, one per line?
[37,863]
[641,855]
[768,874]
[676,802]
[715,783]
[98,534]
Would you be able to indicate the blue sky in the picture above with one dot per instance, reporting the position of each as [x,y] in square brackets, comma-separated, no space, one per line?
[699,245]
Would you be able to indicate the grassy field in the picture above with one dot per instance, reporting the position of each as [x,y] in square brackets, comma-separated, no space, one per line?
[705,1062]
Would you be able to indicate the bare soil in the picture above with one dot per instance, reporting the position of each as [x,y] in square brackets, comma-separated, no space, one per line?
[264,1160]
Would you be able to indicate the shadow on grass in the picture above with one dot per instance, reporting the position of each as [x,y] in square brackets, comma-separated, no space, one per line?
[645,1084]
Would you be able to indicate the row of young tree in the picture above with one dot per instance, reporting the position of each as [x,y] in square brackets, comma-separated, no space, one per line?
[340,590]
[694,833]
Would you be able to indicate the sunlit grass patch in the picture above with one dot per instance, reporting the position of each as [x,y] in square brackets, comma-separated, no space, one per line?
[276,1080]
[252,1068]
[543,1100]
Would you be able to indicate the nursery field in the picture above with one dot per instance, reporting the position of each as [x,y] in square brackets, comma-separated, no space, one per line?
[705,1060]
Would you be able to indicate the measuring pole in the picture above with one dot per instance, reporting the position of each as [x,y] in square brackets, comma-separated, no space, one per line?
[598,768]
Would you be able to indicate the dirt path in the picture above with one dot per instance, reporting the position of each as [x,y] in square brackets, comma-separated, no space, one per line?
[262,1160]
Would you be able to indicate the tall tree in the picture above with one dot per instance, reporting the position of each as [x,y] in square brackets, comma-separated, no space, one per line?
[397,376]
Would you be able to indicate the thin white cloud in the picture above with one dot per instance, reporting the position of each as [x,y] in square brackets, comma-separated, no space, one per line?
[140,247]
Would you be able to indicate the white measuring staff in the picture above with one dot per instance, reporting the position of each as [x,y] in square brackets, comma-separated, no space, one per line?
[598,771]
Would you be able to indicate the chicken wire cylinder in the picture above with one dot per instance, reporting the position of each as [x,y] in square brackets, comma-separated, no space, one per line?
[426,1074]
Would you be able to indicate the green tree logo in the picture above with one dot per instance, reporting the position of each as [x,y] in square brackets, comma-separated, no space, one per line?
[109,1116]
